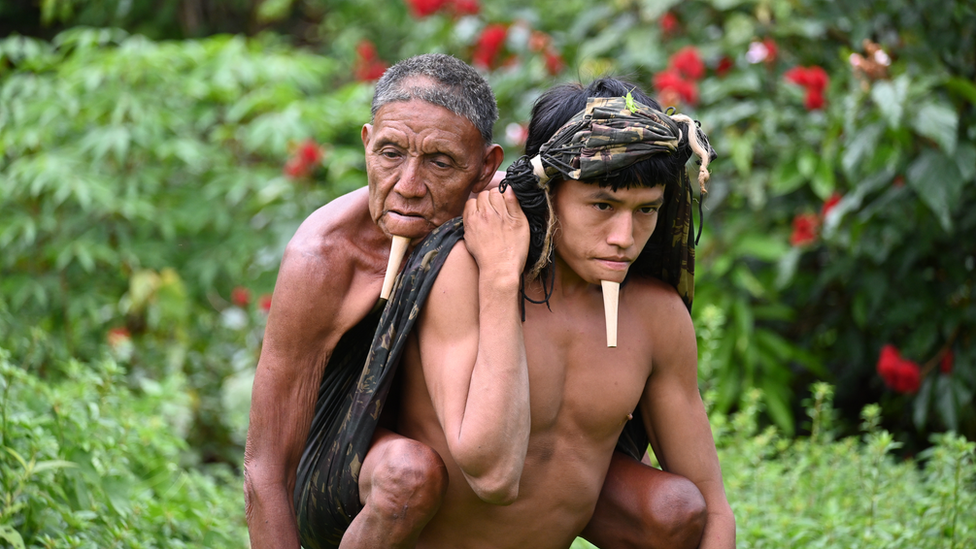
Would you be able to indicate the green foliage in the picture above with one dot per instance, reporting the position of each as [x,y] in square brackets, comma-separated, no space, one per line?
[94,461]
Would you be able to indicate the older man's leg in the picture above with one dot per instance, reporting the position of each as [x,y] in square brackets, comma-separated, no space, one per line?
[644,507]
[401,485]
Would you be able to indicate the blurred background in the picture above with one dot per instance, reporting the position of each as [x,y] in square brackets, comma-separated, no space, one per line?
[155,158]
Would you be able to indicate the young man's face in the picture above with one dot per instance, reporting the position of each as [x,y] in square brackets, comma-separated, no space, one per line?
[601,232]
[422,161]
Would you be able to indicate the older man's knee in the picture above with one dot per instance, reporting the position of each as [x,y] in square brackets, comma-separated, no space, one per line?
[679,513]
[409,482]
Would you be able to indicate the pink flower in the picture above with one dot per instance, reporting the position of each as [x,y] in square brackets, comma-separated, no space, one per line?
[538,41]
[264,303]
[900,375]
[489,44]
[804,229]
[688,62]
[669,23]
[240,296]
[829,204]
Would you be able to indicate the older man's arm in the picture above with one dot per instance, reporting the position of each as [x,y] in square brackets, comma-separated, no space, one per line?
[310,311]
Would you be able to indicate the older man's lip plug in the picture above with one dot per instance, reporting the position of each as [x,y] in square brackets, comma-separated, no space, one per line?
[611,290]
[397,251]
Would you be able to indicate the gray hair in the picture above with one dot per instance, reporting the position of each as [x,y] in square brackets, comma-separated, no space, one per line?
[455,85]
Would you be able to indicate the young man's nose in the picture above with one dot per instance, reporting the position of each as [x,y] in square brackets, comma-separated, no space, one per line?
[410,183]
[621,231]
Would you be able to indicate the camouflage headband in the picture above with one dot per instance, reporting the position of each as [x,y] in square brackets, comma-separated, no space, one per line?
[609,135]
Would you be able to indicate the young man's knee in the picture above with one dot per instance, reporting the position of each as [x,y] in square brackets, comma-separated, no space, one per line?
[410,475]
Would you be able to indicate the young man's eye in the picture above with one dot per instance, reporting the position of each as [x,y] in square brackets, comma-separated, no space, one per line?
[603,206]
[648,209]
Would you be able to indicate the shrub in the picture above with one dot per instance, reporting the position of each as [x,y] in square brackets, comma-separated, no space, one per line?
[93,460]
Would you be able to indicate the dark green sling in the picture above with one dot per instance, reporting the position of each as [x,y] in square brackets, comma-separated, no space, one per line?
[351,397]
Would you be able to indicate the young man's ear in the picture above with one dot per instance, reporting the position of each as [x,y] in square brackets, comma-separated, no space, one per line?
[493,159]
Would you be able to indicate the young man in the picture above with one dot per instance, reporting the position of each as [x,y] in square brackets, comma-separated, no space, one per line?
[526,415]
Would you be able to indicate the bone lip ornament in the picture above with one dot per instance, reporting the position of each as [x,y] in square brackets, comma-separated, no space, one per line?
[611,290]
[397,251]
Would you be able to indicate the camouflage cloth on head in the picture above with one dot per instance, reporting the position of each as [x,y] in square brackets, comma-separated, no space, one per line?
[351,398]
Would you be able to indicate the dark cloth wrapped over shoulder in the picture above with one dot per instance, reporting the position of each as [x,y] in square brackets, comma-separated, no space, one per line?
[355,386]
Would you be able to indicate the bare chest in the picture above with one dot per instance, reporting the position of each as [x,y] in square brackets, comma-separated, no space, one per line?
[578,384]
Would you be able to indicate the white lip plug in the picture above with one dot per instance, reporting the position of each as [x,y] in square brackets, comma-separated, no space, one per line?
[611,291]
[397,251]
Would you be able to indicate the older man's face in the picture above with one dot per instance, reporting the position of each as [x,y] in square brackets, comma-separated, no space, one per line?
[423,161]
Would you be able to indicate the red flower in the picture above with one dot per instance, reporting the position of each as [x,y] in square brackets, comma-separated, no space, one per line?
[118,336]
[368,66]
[829,204]
[804,229]
[423,8]
[814,79]
[264,303]
[798,75]
[554,62]
[303,161]
[466,7]
[489,44]
[817,78]
[945,365]
[724,66]
[814,100]
[903,376]
[771,50]
[309,152]
[669,23]
[240,296]
[688,62]
[670,85]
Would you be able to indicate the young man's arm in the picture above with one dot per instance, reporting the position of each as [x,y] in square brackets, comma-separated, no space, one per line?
[673,411]
[472,350]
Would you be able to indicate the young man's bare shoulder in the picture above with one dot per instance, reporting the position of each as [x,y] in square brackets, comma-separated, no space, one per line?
[656,295]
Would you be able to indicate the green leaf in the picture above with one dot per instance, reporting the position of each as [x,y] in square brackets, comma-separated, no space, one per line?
[864,142]
[937,181]
[8,533]
[939,122]
[890,99]
[962,87]
[53,464]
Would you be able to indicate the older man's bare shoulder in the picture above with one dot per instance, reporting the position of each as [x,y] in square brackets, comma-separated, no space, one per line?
[334,263]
